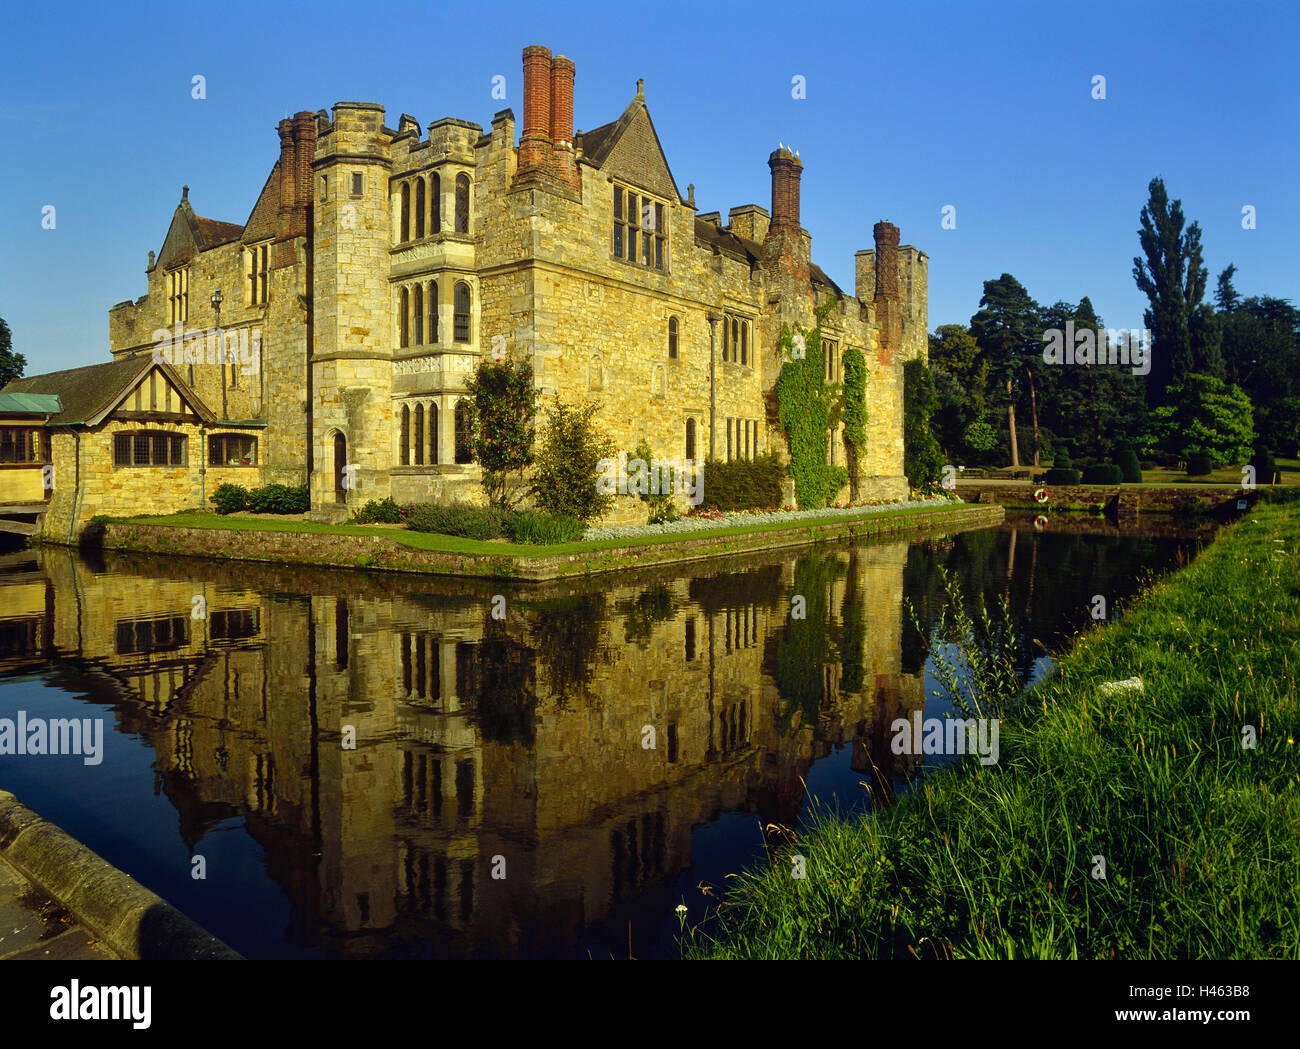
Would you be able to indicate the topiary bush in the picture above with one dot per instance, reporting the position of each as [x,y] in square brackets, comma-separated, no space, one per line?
[539,529]
[1265,465]
[229,498]
[1059,475]
[1199,464]
[1129,467]
[470,522]
[279,499]
[386,511]
[1103,473]
[744,484]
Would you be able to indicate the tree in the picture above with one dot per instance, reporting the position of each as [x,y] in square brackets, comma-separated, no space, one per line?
[568,462]
[1009,334]
[1173,279]
[502,410]
[1205,415]
[922,458]
[12,365]
[960,375]
[1225,294]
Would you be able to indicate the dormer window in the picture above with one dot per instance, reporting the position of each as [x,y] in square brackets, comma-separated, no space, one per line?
[640,232]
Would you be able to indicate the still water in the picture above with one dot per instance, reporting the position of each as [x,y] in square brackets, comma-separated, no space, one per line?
[549,784]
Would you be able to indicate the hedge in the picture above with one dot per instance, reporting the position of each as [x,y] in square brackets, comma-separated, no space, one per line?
[1061,475]
[743,484]
[1103,473]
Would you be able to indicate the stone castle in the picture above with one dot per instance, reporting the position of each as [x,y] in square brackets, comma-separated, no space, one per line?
[377,267]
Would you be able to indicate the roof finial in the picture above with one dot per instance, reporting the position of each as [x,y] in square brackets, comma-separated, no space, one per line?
[185,193]
[640,88]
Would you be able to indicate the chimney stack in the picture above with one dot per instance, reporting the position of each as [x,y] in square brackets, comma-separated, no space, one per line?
[787,170]
[562,74]
[297,151]
[535,143]
[889,314]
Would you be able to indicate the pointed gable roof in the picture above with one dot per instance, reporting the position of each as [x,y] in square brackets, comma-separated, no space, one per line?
[261,220]
[190,234]
[88,395]
[629,148]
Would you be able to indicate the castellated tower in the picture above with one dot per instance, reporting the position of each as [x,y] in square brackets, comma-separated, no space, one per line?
[352,343]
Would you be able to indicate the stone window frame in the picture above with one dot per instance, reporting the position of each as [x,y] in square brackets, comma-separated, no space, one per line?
[743,327]
[221,441]
[462,206]
[466,315]
[358,185]
[832,361]
[257,273]
[179,293]
[463,452]
[652,225]
[674,337]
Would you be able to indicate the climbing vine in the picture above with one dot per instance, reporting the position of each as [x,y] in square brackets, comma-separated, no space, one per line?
[855,413]
[808,408]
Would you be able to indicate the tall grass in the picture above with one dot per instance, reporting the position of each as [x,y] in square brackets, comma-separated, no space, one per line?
[1200,835]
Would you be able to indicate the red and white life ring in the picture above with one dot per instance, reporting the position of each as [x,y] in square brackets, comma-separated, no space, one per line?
[1040,496]
[1040,522]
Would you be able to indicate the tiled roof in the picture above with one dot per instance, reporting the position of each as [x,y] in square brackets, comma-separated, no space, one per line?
[215,232]
[83,392]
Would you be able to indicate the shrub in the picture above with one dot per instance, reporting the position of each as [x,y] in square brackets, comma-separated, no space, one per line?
[1265,465]
[1199,464]
[229,498]
[1061,475]
[385,511]
[1103,473]
[280,499]
[530,526]
[1129,467]
[743,484]
[470,522]
[661,508]
[1062,460]
[567,480]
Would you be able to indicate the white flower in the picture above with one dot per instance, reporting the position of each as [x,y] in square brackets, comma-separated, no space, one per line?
[681,908]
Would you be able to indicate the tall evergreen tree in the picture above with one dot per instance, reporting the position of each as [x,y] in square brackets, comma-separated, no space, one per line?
[1173,278]
[1009,334]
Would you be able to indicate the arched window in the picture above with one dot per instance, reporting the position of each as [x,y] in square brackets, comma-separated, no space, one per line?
[726,342]
[735,339]
[405,458]
[744,342]
[406,213]
[433,312]
[433,434]
[672,338]
[690,438]
[464,451]
[419,435]
[462,203]
[419,208]
[461,311]
[404,319]
[435,193]
[419,315]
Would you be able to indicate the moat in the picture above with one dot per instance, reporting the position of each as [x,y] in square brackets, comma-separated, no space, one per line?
[551,783]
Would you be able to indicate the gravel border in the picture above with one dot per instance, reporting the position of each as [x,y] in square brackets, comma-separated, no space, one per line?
[699,524]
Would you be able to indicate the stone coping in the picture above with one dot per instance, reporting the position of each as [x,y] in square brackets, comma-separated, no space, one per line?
[134,922]
[380,553]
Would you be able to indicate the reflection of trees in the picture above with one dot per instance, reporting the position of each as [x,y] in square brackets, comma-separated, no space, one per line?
[565,634]
[651,606]
[499,677]
[807,646]
[853,619]
[760,587]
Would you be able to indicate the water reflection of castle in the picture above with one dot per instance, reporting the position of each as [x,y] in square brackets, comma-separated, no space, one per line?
[476,738]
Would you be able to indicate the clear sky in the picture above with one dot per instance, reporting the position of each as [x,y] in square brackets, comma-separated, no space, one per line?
[909,107]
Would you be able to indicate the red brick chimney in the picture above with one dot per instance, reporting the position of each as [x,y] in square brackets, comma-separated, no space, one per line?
[787,170]
[297,151]
[535,143]
[889,317]
[562,74]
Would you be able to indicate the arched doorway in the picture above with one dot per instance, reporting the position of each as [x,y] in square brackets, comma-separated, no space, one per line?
[340,461]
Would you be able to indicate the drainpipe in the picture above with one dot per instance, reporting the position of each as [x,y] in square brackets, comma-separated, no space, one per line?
[203,467]
[76,486]
[713,319]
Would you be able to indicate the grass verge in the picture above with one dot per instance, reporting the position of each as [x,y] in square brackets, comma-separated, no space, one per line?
[1200,834]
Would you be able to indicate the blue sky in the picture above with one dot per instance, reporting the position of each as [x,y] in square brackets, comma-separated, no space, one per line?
[909,107]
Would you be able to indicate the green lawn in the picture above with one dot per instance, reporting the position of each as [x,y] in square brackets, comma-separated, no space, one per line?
[1200,833]
[457,545]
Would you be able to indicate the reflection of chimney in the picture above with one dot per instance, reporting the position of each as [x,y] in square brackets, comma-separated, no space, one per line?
[535,143]
[787,170]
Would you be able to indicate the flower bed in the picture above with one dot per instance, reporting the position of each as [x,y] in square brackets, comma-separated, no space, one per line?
[705,520]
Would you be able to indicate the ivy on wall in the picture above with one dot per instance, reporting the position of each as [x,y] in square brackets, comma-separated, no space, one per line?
[808,408]
[855,413]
